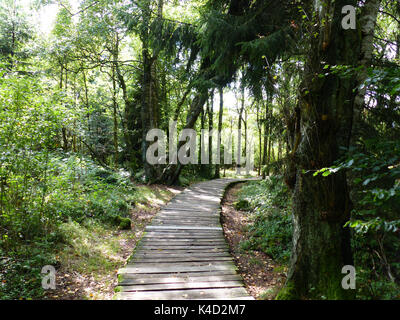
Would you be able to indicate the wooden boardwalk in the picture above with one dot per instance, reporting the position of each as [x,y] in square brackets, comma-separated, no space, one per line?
[183,254]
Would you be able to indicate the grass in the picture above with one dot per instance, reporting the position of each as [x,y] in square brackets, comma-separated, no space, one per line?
[92,247]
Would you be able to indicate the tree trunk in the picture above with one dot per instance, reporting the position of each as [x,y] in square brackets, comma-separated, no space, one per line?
[150,103]
[115,119]
[321,245]
[368,23]
[266,131]
[203,167]
[131,123]
[239,133]
[86,98]
[171,173]
[221,111]
[269,152]
[210,112]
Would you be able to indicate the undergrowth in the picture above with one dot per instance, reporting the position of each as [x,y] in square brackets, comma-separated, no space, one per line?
[67,222]
[270,231]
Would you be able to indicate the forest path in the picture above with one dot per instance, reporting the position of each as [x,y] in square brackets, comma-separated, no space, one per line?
[184,254]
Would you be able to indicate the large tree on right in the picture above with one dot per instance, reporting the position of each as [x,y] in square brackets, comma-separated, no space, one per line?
[328,106]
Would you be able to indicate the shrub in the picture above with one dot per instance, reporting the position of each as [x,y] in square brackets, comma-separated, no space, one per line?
[271,228]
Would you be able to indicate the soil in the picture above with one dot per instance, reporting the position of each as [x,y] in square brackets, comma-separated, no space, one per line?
[262,276]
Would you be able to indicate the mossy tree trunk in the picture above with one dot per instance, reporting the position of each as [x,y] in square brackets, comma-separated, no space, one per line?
[150,106]
[321,245]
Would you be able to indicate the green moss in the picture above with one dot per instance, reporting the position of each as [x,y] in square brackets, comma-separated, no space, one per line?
[123,223]
[117,289]
[120,278]
[242,205]
[288,292]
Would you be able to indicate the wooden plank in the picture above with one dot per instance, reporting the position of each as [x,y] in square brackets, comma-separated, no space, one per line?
[162,254]
[182,285]
[210,213]
[193,220]
[184,222]
[181,238]
[178,259]
[188,222]
[165,249]
[176,275]
[185,238]
[184,231]
[192,247]
[222,293]
[190,209]
[207,264]
[182,241]
[182,278]
[208,251]
[181,248]
[194,206]
[212,202]
[210,198]
[179,267]
[188,215]
[182,228]
[178,235]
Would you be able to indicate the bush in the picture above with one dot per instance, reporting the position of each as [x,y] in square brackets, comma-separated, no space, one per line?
[242,204]
[271,227]
[73,189]
[20,270]
[271,233]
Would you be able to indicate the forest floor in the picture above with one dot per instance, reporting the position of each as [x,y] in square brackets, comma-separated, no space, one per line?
[89,264]
[262,276]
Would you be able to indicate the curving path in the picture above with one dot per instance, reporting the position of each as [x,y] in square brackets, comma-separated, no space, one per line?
[183,254]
